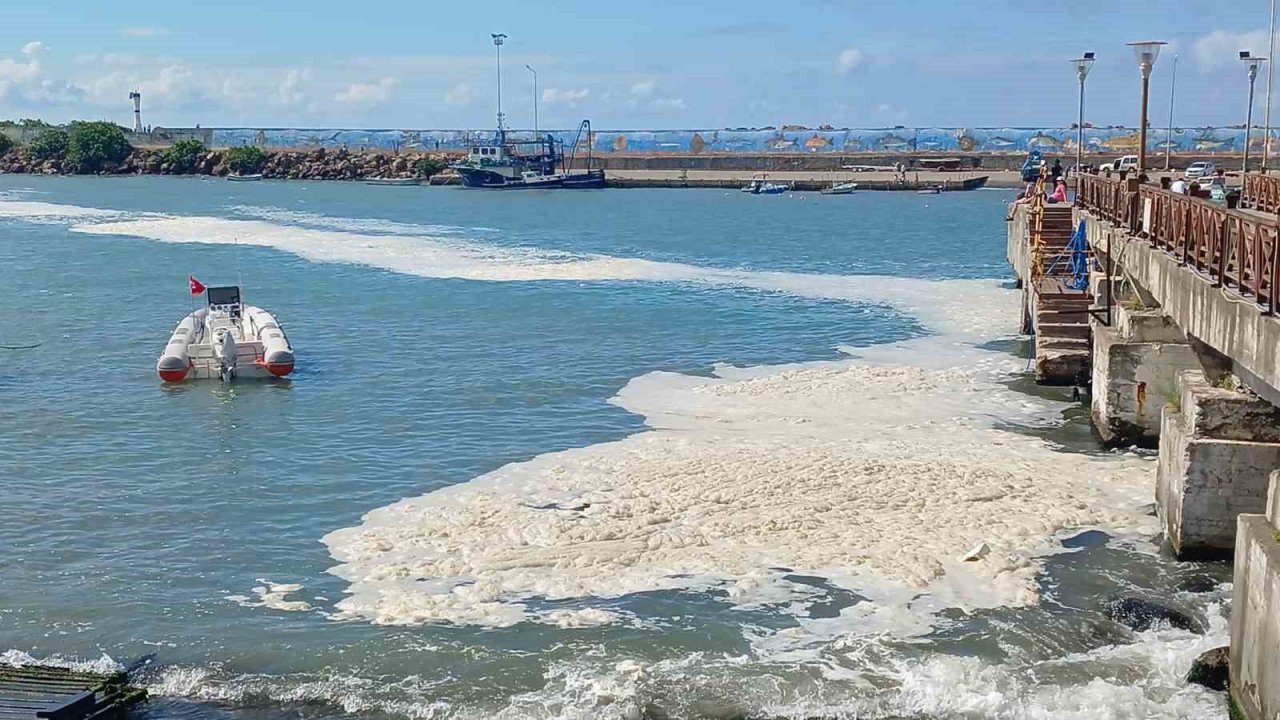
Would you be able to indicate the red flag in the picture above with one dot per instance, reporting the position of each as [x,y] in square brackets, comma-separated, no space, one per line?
[196,287]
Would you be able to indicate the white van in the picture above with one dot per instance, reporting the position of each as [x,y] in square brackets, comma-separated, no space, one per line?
[1128,162]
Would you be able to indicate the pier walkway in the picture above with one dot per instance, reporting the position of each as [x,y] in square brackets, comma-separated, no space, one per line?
[1183,351]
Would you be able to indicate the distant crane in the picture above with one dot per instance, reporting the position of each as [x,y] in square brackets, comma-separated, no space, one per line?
[136,97]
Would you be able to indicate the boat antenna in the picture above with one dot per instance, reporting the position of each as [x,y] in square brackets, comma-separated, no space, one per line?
[498,39]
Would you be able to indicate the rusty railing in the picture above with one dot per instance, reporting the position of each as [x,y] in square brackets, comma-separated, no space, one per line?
[1261,192]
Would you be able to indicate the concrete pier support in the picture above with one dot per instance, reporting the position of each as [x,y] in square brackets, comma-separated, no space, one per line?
[1218,448]
[1255,612]
[1136,363]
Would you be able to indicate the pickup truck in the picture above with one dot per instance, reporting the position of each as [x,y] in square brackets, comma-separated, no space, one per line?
[1128,162]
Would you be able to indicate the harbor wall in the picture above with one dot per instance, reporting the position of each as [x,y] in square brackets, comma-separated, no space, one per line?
[788,139]
[1255,612]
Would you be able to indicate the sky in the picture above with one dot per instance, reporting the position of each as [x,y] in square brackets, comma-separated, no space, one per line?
[651,64]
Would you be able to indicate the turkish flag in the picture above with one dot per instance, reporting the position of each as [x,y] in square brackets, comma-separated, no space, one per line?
[196,287]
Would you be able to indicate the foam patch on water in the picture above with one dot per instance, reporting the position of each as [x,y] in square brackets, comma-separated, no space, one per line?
[103,664]
[273,596]
[43,212]
[970,306]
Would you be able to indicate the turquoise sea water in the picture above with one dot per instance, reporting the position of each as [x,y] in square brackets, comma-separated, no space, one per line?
[443,334]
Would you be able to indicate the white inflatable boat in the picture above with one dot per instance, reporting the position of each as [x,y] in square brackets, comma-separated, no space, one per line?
[226,340]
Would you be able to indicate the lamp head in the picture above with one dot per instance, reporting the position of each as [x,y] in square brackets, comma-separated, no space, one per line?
[1083,64]
[1146,52]
[498,38]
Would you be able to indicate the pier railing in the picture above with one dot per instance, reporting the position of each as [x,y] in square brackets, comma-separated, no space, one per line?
[1236,250]
[1104,196]
[1261,193]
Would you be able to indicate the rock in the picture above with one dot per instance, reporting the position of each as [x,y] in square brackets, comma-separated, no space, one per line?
[1212,669]
[1141,615]
[1197,584]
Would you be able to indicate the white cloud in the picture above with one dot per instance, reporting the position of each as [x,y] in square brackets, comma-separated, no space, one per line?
[290,92]
[643,89]
[884,108]
[460,95]
[664,104]
[25,80]
[848,60]
[367,93]
[143,32]
[569,98]
[1222,47]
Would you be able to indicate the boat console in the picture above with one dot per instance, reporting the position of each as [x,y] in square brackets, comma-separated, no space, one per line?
[225,299]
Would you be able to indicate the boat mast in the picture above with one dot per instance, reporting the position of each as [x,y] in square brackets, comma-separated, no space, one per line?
[498,39]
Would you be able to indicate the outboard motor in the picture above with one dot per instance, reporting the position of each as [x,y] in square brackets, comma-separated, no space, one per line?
[224,349]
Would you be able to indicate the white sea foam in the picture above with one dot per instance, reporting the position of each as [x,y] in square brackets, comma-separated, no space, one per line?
[274,596]
[43,212]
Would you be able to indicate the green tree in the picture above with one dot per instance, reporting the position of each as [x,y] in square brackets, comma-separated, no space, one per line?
[6,144]
[48,144]
[245,159]
[429,165]
[93,144]
[183,155]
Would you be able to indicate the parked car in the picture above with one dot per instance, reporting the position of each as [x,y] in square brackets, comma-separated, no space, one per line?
[1128,162]
[1200,169]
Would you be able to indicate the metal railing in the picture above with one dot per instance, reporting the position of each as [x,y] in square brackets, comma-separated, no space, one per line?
[1232,249]
[1261,193]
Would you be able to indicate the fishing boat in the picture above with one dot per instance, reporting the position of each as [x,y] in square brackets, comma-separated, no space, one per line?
[392,181]
[245,178]
[538,164]
[929,190]
[528,164]
[761,186]
[226,340]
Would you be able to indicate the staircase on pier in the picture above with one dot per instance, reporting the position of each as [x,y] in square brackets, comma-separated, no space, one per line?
[1059,313]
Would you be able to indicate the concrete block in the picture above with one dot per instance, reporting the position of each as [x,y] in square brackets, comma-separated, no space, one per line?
[1273,500]
[1148,325]
[1255,619]
[1131,383]
[1203,483]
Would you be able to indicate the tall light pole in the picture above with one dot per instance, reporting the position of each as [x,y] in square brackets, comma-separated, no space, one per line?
[535,100]
[1173,90]
[1083,63]
[1253,63]
[1271,71]
[498,38]
[1146,53]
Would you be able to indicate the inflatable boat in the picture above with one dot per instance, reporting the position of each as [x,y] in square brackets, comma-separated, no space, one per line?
[226,340]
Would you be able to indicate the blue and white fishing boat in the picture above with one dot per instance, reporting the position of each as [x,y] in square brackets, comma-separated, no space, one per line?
[762,186]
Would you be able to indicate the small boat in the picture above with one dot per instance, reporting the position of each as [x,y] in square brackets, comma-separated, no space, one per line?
[245,178]
[762,186]
[929,191]
[225,340]
[392,181]
[844,188]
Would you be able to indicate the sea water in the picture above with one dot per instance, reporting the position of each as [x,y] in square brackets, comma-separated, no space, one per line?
[600,454]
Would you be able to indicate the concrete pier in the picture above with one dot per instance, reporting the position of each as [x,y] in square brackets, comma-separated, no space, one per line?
[1255,612]
[1218,448]
[1192,337]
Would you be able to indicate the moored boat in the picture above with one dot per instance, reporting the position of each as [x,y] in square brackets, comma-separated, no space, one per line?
[392,181]
[844,188]
[761,186]
[245,178]
[226,340]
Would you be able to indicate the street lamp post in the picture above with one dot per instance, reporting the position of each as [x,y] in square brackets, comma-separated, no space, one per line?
[1146,53]
[1083,64]
[1168,138]
[498,39]
[1253,63]
[535,100]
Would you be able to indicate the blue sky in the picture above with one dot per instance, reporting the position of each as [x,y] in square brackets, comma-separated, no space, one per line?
[649,64]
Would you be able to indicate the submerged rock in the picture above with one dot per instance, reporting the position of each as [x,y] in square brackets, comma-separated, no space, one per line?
[1140,615]
[1197,584]
[1212,669]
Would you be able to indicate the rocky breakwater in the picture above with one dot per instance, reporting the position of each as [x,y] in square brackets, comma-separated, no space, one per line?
[318,164]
